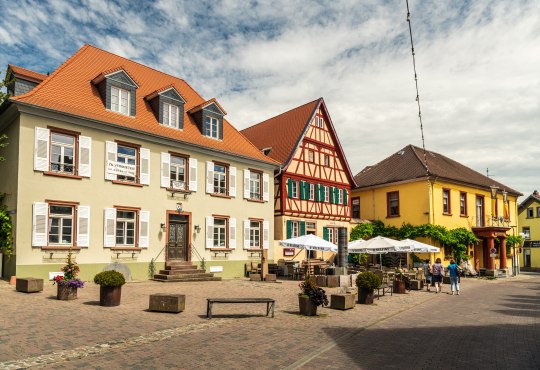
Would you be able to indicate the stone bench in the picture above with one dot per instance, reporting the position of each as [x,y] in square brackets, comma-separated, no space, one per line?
[270,303]
[342,301]
[162,302]
[29,285]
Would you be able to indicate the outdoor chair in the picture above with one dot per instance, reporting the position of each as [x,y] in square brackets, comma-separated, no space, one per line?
[385,287]
[255,267]
[290,271]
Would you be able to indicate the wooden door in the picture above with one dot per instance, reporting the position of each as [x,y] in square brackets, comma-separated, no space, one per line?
[177,238]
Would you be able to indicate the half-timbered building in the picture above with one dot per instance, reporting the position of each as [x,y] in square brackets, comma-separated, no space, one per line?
[313,184]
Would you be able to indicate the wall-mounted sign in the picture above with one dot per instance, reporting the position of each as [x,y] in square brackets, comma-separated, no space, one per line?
[216,268]
[532,244]
[121,169]
[288,251]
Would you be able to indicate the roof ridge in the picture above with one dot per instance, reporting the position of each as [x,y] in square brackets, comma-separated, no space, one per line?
[56,71]
[26,69]
[277,115]
[422,162]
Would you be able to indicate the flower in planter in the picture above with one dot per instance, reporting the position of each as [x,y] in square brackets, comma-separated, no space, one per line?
[316,294]
[70,270]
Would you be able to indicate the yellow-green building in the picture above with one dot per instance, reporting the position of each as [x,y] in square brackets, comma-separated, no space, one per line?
[408,187]
[529,225]
[124,164]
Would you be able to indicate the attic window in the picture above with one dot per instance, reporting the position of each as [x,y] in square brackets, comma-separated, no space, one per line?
[212,127]
[120,100]
[266,151]
[401,152]
[170,115]
[118,91]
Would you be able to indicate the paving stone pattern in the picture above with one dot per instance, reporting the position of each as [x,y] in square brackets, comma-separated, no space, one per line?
[492,324]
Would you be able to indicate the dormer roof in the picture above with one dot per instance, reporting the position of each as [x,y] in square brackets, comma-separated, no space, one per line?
[206,104]
[167,89]
[111,72]
[26,74]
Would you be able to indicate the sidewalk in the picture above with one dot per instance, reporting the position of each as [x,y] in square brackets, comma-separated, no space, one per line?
[38,330]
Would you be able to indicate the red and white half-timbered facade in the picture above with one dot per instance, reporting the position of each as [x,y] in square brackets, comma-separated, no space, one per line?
[313,185]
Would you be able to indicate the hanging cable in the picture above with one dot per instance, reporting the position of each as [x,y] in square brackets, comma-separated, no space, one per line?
[417,93]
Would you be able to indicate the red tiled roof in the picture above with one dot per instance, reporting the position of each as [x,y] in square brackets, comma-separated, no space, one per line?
[283,132]
[27,74]
[205,104]
[69,90]
[408,164]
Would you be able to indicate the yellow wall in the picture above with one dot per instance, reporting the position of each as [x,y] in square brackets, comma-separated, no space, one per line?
[534,226]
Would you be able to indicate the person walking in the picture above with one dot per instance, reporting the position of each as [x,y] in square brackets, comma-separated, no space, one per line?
[437,272]
[427,274]
[453,269]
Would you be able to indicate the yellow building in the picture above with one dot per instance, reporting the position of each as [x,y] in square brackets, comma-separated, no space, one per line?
[529,225]
[408,187]
[123,164]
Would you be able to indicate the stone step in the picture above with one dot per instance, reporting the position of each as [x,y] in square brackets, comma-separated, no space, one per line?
[182,271]
[183,267]
[183,276]
[186,279]
[178,263]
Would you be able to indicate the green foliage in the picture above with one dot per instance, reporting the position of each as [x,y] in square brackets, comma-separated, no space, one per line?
[6,229]
[110,278]
[316,294]
[2,145]
[415,258]
[368,280]
[3,84]
[511,242]
[362,231]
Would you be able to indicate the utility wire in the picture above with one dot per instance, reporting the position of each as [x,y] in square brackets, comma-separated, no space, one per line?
[416,83]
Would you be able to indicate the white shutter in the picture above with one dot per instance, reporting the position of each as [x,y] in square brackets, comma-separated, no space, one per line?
[83,226]
[39,224]
[210,177]
[246,184]
[41,149]
[266,187]
[209,232]
[145,166]
[232,181]
[144,229]
[109,237]
[246,234]
[266,234]
[85,156]
[110,155]
[192,174]
[165,170]
[232,233]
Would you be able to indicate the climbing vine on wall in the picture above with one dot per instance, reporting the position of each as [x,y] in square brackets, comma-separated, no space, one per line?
[6,228]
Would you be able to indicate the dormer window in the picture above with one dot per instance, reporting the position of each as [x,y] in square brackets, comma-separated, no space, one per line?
[168,107]
[120,100]
[170,115]
[211,127]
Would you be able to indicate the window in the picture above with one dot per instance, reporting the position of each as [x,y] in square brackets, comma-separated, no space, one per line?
[530,212]
[340,196]
[537,211]
[295,229]
[326,160]
[120,100]
[392,204]
[220,179]
[294,189]
[211,127]
[62,153]
[311,191]
[326,193]
[321,122]
[355,207]
[128,156]
[255,185]
[220,233]
[310,225]
[170,115]
[479,210]
[526,232]
[330,234]
[255,234]
[463,204]
[125,228]
[178,173]
[61,225]
[446,201]
[311,156]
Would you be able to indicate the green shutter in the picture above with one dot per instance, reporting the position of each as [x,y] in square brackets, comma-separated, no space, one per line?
[325,233]
[306,189]
[332,195]
[302,190]
[289,229]
[345,197]
[289,188]
[336,195]
[317,195]
[302,228]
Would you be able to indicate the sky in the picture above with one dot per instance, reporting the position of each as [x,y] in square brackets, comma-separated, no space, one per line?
[478,66]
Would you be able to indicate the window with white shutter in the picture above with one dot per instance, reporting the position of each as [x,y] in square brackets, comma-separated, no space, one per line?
[60,224]
[232,233]
[246,234]
[246,184]
[165,170]
[266,187]
[39,224]
[127,163]
[266,234]
[109,228]
[41,149]
[145,166]
[85,156]
[192,174]
[209,232]
[83,226]
[144,229]
[232,181]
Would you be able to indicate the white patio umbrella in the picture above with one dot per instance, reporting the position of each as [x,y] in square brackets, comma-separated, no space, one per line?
[309,242]
[379,245]
[420,247]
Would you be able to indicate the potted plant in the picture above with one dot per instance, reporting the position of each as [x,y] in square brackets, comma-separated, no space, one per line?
[311,297]
[366,282]
[69,282]
[110,290]
[399,282]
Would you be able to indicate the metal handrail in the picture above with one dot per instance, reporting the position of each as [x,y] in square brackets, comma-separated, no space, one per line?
[201,258]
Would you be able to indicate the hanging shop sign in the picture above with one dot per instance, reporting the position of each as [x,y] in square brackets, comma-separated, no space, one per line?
[121,169]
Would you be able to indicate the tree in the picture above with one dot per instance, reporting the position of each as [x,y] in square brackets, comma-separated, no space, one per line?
[3,84]
[6,225]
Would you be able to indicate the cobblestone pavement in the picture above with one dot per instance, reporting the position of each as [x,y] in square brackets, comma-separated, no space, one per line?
[492,324]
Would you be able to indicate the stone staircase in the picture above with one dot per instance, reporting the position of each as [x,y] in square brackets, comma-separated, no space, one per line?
[183,271]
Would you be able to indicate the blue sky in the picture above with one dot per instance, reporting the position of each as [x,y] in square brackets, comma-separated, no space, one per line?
[477,63]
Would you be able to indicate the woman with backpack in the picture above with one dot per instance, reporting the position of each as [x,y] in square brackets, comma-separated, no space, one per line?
[453,269]
[437,272]
[427,274]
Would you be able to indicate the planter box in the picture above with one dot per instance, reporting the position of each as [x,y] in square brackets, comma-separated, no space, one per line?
[342,301]
[110,296]
[66,292]
[29,285]
[365,296]
[307,308]
[255,277]
[270,277]
[332,281]
[399,287]
[167,302]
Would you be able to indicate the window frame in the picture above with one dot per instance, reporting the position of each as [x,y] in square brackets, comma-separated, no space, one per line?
[311,191]
[389,212]
[186,170]
[447,207]
[463,209]
[74,235]
[294,189]
[537,211]
[252,230]
[76,135]
[526,230]
[311,156]
[225,229]
[326,160]
[253,181]
[167,109]
[332,234]
[60,227]
[208,127]
[530,212]
[353,206]
[295,225]
[119,110]
[124,230]
[137,179]
[226,167]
